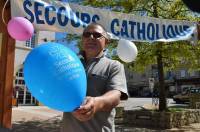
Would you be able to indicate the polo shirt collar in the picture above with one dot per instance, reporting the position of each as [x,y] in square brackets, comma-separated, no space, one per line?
[82,56]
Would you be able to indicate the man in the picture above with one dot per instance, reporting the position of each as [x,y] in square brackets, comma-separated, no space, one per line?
[106,85]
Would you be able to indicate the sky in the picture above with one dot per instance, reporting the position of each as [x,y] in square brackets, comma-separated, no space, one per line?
[60,37]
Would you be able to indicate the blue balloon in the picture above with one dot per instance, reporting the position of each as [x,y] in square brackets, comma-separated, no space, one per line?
[55,76]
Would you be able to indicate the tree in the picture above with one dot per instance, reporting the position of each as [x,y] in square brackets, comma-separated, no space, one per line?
[167,56]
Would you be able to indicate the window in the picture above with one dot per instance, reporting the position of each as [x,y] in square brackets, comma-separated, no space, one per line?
[20,75]
[143,75]
[19,78]
[31,42]
[194,74]
[183,73]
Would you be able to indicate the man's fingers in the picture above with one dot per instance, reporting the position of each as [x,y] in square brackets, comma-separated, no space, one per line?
[86,110]
[89,104]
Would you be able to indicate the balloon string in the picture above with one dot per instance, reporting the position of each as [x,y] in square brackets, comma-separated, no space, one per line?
[3,12]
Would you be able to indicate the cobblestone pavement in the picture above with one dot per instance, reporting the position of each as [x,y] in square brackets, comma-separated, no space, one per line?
[43,119]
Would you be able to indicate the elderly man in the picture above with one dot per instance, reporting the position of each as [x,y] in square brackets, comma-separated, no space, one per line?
[106,85]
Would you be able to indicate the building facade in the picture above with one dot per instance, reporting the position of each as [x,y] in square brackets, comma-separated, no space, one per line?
[20,90]
[144,84]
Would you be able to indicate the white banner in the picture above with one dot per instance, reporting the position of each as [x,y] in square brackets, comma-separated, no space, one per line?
[57,16]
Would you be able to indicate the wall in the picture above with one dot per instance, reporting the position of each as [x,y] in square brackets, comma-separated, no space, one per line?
[155,119]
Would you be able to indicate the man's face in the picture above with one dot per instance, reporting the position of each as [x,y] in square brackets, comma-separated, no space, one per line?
[93,40]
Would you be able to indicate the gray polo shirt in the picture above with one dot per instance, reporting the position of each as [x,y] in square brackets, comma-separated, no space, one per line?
[103,74]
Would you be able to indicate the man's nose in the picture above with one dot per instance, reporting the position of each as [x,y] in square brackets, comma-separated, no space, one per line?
[91,36]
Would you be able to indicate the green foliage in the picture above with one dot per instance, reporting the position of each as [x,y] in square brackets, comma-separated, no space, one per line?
[175,54]
[176,109]
[77,38]
[168,56]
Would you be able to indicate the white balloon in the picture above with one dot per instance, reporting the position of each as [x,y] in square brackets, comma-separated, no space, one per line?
[126,50]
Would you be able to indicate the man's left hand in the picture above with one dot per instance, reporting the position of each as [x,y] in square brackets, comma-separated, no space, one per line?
[86,111]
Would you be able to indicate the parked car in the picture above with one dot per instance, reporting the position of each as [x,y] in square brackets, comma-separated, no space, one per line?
[184,97]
